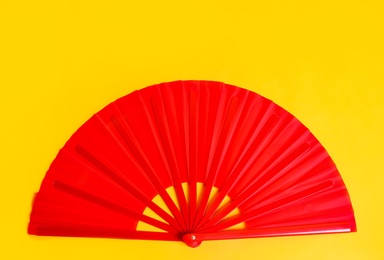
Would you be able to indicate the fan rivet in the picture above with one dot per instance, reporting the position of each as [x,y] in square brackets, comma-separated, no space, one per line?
[193,237]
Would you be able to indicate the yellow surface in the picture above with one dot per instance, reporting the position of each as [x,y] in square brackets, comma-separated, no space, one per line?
[61,61]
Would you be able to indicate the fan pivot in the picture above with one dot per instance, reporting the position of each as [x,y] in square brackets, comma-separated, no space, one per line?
[191,240]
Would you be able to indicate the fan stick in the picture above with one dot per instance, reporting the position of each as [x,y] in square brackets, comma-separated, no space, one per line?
[238,172]
[112,206]
[143,161]
[272,206]
[128,186]
[338,227]
[192,181]
[216,159]
[97,232]
[253,189]
[171,158]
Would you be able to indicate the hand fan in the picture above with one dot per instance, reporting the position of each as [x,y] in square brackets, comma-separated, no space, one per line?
[191,161]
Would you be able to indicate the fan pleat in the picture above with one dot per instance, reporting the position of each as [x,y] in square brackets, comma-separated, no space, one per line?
[151,173]
[171,161]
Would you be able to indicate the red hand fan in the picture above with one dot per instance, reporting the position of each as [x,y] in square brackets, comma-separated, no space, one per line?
[239,167]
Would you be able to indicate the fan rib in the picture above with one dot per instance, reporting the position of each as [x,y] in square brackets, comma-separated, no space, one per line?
[239,170]
[143,161]
[97,232]
[128,186]
[213,170]
[106,122]
[193,124]
[170,155]
[299,136]
[336,227]
[247,194]
[289,216]
[272,194]
[241,136]
[112,206]
[315,163]
[284,202]
[213,124]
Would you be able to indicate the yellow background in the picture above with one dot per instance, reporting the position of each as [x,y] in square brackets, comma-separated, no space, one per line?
[61,61]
